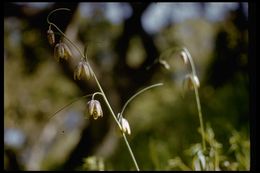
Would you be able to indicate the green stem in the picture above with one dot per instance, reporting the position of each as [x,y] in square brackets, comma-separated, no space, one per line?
[95,94]
[200,118]
[193,69]
[139,92]
[105,98]
[197,100]
[99,86]
[58,9]
[68,105]
[131,153]
[114,116]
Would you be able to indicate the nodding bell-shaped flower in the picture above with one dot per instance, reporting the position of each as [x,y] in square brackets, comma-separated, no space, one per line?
[51,37]
[62,51]
[125,126]
[196,81]
[81,69]
[95,109]
[67,51]
[184,57]
[191,81]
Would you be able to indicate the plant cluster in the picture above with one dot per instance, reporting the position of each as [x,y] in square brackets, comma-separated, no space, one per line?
[205,155]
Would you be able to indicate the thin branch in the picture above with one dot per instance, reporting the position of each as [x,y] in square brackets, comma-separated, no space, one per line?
[145,89]
[75,100]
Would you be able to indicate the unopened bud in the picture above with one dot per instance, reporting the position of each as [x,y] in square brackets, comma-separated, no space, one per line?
[184,57]
[58,52]
[125,126]
[196,81]
[191,81]
[95,109]
[51,37]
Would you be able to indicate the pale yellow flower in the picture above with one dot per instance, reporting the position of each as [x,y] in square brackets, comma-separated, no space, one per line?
[95,109]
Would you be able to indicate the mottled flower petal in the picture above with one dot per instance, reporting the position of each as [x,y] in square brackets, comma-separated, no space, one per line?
[82,68]
[125,126]
[51,37]
[95,109]
[78,71]
[87,70]
[67,51]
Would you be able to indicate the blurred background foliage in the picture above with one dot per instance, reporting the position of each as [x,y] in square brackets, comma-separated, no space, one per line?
[124,42]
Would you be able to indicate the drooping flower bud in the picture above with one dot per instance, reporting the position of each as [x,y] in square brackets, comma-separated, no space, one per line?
[196,81]
[58,52]
[191,81]
[81,69]
[95,109]
[62,51]
[51,37]
[184,57]
[125,126]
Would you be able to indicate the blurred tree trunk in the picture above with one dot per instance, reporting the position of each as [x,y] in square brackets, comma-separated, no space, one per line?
[134,78]
[227,60]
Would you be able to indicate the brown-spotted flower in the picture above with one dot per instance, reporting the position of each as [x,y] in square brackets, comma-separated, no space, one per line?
[51,37]
[95,109]
[82,69]
[62,51]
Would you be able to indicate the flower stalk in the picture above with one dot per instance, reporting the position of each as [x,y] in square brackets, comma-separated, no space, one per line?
[94,105]
[196,86]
